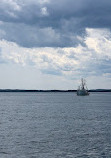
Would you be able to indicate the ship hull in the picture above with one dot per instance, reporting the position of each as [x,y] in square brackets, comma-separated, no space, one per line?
[82,92]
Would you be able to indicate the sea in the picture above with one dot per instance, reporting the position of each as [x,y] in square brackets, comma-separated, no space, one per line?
[55,125]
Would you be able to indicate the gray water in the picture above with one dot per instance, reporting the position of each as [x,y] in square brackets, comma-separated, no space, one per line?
[55,125]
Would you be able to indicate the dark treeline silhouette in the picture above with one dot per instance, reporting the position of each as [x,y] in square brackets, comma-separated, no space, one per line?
[22,90]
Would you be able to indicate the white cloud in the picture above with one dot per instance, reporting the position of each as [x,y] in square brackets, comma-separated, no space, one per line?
[99,41]
[10,4]
[44,11]
[44,1]
[72,62]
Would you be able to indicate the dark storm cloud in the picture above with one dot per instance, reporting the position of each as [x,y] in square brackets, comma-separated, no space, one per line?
[53,24]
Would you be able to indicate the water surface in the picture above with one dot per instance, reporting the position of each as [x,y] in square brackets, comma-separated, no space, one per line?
[55,125]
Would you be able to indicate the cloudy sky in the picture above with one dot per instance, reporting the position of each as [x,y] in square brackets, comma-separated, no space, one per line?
[48,44]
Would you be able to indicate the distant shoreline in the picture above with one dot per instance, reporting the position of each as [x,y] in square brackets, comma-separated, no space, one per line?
[22,90]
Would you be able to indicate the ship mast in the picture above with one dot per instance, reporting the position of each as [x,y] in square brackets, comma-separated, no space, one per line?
[82,83]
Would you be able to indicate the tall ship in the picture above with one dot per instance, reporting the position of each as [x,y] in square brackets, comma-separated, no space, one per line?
[82,89]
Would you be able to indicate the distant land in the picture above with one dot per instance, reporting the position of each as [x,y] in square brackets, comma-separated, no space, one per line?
[24,90]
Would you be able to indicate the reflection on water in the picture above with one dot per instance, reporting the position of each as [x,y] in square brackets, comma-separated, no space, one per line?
[55,125]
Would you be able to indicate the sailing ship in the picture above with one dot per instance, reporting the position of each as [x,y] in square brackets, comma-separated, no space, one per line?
[82,89]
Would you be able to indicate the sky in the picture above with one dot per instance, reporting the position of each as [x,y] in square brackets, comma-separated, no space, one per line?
[48,44]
